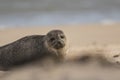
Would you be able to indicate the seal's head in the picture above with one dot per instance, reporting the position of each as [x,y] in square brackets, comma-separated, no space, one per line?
[56,39]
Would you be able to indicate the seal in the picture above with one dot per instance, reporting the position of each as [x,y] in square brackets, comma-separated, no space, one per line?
[33,47]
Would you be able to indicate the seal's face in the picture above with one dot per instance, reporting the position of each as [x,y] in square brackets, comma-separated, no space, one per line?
[56,39]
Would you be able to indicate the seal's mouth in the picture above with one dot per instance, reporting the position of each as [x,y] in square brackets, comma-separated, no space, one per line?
[58,45]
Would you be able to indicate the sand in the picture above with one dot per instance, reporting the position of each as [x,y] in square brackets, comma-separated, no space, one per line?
[79,37]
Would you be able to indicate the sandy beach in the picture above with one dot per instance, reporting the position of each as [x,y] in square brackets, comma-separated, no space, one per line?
[78,37]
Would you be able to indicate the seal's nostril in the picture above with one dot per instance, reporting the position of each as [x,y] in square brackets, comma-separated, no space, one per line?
[59,43]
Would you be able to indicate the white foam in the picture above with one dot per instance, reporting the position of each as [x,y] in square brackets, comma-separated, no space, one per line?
[108,22]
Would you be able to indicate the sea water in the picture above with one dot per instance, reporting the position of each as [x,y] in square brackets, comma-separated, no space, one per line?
[18,13]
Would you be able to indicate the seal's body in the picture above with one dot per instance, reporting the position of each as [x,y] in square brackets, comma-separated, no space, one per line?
[33,47]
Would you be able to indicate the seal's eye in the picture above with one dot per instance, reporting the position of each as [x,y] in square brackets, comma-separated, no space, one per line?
[52,39]
[62,37]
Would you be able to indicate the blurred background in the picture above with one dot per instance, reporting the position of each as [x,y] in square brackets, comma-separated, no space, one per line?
[89,39]
[18,13]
